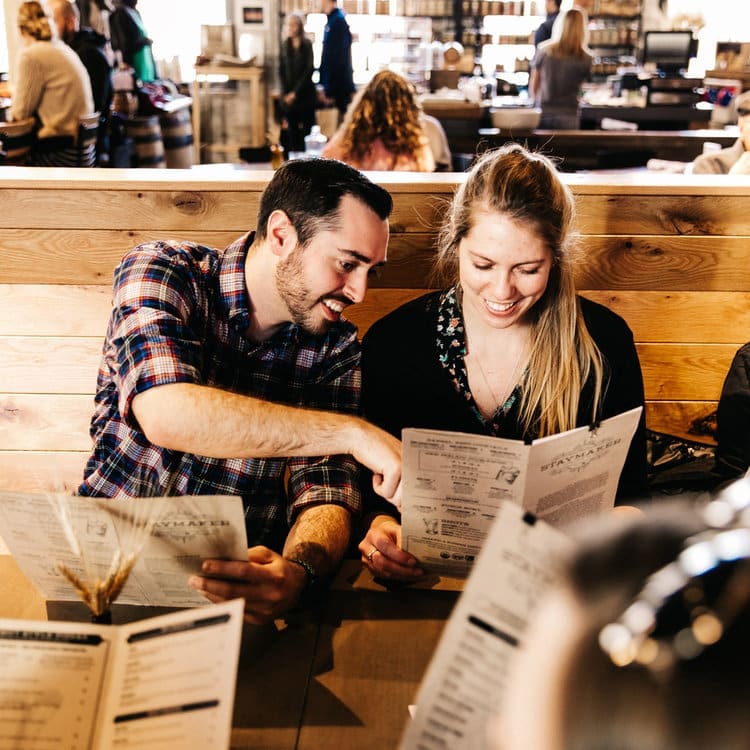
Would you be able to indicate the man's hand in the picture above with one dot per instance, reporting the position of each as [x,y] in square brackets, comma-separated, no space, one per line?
[380,452]
[270,584]
[382,553]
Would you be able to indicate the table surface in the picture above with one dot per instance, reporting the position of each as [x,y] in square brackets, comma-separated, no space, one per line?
[341,677]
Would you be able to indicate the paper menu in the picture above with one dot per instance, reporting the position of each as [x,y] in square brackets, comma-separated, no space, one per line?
[165,682]
[187,530]
[454,482]
[462,686]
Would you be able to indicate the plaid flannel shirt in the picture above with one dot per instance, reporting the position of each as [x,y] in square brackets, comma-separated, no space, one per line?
[180,312]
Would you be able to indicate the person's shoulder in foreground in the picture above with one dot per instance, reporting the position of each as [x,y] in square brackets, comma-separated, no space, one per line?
[649,624]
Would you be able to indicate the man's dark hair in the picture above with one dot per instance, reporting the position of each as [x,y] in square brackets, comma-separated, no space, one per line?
[309,192]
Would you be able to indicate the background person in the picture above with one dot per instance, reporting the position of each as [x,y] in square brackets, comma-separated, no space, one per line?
[574,685]
[336,72]
[235,373]
[52,85]
[544,32]
[557,72]
[129,37]
[382,129]
[298,96]
[91,48]
[508,349]
[736,158]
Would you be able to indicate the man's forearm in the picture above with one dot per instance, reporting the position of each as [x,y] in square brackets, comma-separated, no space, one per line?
[216,423]
[320,536]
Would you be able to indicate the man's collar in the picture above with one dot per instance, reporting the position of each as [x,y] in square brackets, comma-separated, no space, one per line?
[232,285]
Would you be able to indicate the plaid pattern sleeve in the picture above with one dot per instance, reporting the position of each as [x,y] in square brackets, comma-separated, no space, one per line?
[151,339]
[330,479]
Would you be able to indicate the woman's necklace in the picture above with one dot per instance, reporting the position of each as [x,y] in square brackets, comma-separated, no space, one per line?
[508,386]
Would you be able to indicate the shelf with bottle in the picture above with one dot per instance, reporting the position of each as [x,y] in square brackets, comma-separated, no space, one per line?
[615,8]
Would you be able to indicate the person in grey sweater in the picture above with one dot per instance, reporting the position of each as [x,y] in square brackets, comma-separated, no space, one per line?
[52,85]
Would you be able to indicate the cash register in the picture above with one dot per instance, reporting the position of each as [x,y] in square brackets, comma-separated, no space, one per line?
[669,53]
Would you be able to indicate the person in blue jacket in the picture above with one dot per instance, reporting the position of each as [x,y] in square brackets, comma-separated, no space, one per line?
[336,74]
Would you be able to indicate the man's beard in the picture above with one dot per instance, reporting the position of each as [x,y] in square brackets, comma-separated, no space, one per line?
[291,287]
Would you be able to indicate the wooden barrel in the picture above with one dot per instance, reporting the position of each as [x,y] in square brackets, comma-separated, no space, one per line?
[147,141]
[177,134]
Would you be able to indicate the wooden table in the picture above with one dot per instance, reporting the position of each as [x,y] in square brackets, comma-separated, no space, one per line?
[342,677]
[255,76]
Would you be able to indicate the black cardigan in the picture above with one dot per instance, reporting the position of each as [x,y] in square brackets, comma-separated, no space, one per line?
[404,384]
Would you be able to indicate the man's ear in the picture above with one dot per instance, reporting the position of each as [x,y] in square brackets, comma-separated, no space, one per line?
[280,234]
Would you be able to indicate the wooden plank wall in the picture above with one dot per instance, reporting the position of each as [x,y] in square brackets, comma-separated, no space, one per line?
[667,253]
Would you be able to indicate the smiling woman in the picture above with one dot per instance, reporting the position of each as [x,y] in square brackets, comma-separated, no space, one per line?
[508,348]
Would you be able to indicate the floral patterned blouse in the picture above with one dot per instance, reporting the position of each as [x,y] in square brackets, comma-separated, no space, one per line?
[451,347]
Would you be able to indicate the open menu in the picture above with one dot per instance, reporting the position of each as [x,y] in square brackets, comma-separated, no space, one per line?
[469,669]
[182,532]
[453,484]
[165,682]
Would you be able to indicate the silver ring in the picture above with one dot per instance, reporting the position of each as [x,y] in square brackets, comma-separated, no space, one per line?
[370,554]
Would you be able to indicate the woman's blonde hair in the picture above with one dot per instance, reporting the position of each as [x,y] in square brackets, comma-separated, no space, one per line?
[572,37]
[33,20]
[386,108]
[526,188]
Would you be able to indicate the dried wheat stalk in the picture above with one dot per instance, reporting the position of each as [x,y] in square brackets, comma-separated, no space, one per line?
[137,518]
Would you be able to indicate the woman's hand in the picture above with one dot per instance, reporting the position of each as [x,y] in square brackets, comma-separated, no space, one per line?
[382,553]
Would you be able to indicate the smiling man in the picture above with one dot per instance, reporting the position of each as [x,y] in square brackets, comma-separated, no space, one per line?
[235,373]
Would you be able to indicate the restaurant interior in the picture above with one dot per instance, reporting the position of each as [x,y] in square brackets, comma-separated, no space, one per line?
[666,249]
[664,75]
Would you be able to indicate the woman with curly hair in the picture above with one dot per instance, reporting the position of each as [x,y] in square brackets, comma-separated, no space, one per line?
[382,129]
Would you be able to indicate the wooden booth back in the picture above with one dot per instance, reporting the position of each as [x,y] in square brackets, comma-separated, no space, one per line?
[668,253]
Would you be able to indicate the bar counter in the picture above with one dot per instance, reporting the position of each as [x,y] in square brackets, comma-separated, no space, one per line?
[469,130]
[341,677]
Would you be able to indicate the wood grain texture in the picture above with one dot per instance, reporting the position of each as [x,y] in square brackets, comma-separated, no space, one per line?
[175,213]
[49,365]
[45,422]
[680,418]
[653,262]
[41,471]
[669,255]
[681,317]
[54,310]
[684,372]
[89,256]
[671,215]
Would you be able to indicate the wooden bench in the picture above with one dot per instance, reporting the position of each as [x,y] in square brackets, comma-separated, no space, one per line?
[668,253]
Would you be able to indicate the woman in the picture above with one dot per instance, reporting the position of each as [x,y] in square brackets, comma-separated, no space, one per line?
[643,645]
[51,85]
[382,129]
[298,94]
[508,349]
[557,72]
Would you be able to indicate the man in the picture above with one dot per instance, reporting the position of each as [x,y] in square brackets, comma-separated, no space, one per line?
[336,75]
[544,32]
[236,374]
[89,46]
[736,158]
